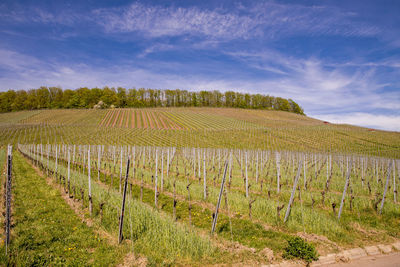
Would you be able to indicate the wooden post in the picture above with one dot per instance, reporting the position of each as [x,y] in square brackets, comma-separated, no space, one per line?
[199,159]
[48,158]
[156,181]
[55,170]
[327,168]
[293,192]
[362,172]
[121,221]
[257,168]
[73,156]
[214,223]
[230,170]
[278,171]
[8,197]
[68,172]
[89,184]
[386,186]
[190,204]
[120,171]
[204,176]
[247,178]
[394,183]
[98,161]
[345,187]
[304,170]
[162,170]
[194,162]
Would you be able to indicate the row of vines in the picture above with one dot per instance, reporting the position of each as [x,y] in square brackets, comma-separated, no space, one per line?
[330,194]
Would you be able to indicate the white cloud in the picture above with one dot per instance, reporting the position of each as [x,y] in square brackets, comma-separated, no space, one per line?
[268,19]
[319,86]
[384,122]
[157,21]
[16,61]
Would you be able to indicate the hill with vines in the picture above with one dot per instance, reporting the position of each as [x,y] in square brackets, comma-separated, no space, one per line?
[195,127]
[266,183]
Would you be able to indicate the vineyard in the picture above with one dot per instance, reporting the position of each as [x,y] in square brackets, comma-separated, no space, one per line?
[214,185]
[195,127]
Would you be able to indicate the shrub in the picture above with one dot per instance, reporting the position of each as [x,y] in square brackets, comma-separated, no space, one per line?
[299,248]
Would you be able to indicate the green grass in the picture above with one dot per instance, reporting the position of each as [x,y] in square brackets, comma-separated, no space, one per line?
[46,231]
[144,226]
[347,232]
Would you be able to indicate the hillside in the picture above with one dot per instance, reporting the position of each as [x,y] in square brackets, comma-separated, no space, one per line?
[176,160]
[195,127]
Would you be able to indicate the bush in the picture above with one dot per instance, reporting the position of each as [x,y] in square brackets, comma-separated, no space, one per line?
[299,248]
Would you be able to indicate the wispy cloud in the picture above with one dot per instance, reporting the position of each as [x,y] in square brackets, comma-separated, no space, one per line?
[155,21]
[156,48]
[268,20]
[384,122]
[323,93]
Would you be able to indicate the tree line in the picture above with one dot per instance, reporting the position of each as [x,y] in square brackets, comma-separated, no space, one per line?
[55,97]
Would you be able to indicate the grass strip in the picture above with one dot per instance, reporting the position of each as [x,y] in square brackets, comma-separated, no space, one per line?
[46,231]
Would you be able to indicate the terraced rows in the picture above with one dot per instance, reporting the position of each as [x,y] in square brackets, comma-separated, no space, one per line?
[139,119]
[64,117]
[172,119]
[196,127]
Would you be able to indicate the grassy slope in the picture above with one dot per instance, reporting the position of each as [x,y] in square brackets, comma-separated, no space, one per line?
[204,127]
[47,232]
[176,244]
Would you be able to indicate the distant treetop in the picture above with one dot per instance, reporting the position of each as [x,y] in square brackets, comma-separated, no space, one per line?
[55,97]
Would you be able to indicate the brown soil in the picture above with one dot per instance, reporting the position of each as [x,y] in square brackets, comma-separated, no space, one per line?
[133,119]
[128,113]
[105,118]
[121,120]
[116,118]
[162,121]
[324,246]
[109,119]
[130,259]
[172,123]
[154,118]
[144,120]
[138,120]
[150,120]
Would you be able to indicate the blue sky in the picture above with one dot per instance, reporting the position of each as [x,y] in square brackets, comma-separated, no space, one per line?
[340,60]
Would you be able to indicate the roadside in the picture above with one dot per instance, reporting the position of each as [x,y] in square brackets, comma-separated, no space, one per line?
[391,260]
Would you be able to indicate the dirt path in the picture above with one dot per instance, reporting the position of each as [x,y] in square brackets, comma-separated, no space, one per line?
[391,260]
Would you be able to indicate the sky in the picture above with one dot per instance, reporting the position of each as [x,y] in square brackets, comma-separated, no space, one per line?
[339,59]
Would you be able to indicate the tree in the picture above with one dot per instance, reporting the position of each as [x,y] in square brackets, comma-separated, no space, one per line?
[109,96]
[121,97]
[6,100]
[55,97]
[19,101]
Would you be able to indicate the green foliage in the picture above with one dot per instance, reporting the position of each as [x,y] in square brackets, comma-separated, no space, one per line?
[55,97]
[299,248]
